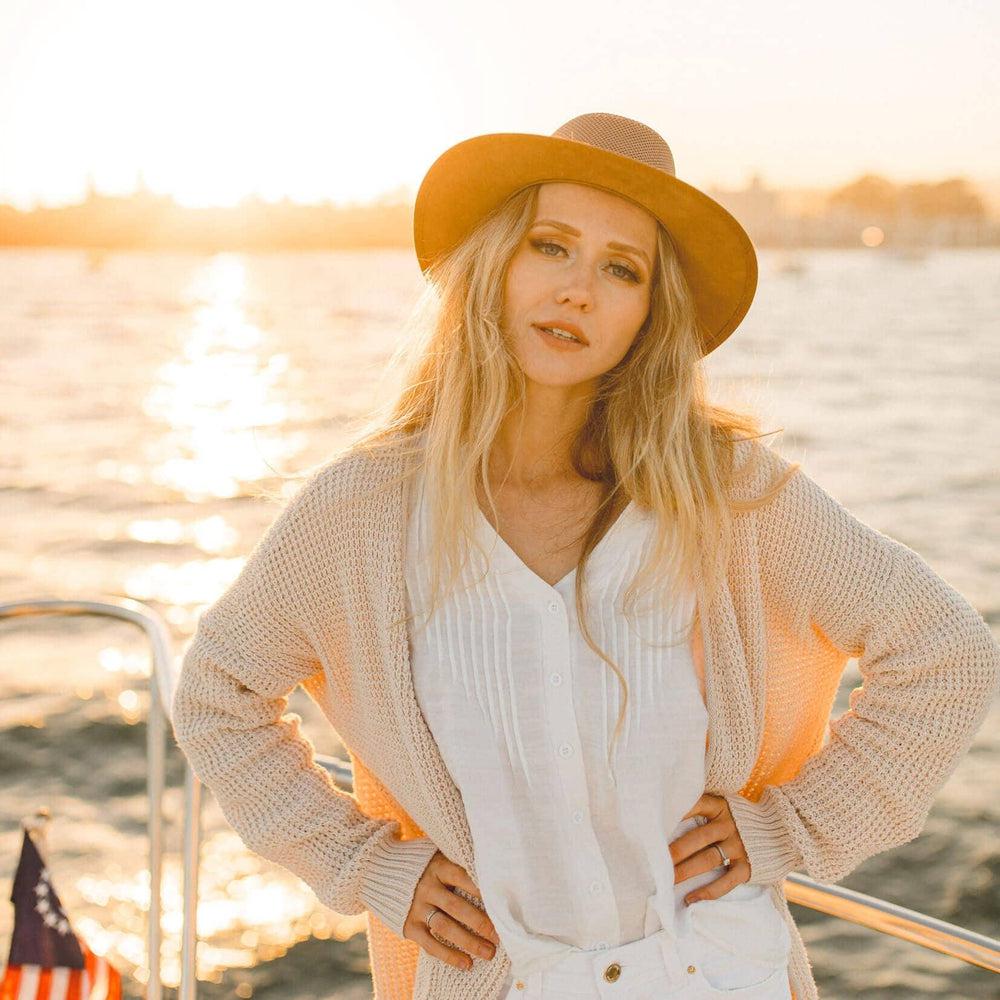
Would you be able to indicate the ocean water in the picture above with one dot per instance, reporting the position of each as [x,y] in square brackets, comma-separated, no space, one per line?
[147,401]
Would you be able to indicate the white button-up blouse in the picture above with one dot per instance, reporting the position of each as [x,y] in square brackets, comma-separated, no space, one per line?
[571,853]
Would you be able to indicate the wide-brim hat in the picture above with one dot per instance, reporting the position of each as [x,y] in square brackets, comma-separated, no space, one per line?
[471,179]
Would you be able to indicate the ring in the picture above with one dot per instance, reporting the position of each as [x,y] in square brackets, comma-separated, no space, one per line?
[434,912]
[725,860]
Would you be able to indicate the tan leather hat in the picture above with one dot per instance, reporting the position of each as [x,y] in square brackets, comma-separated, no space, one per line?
[466,182]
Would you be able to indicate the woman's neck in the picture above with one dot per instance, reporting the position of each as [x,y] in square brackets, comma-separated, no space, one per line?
[533,448]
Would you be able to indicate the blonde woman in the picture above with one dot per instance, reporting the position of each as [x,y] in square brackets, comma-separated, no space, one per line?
[579,630]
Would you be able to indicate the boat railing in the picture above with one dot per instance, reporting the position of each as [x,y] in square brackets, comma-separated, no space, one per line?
[833,900]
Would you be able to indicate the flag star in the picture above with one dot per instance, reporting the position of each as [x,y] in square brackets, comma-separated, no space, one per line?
[45,874]
[63,926]
[43,906]
[51,919]
[41,889]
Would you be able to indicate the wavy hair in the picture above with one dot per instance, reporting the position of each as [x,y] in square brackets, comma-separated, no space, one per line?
[651,435]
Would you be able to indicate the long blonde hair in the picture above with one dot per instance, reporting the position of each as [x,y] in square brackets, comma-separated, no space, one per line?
[651,436]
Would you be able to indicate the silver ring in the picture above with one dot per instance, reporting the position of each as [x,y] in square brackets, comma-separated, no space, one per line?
[434,912]
[725,860]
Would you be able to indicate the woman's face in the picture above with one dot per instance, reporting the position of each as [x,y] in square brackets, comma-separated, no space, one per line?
[585,265]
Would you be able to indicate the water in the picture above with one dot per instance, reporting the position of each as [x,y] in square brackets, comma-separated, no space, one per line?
[147,400]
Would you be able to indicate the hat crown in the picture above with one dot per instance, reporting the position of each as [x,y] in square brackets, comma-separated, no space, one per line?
[620,135]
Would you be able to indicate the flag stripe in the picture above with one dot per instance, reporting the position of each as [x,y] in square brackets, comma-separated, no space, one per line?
[59,984]
[43,989]
[28,986]
[106,980]
[11,981]
[100,988]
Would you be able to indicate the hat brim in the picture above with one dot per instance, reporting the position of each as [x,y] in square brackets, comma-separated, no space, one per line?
[469,180]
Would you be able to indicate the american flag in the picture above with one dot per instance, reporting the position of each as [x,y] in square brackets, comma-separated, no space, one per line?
[47,960]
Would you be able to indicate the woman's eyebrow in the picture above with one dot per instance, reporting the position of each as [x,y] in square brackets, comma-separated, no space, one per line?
[573,231]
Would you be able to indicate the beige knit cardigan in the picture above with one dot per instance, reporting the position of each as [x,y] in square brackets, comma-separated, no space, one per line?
[321,603]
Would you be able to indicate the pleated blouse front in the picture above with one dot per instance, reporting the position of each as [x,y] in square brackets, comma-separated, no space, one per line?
[572,852]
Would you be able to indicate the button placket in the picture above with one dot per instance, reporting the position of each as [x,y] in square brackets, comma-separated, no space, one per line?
[557,638]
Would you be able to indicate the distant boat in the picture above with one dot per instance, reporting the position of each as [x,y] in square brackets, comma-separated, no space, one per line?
[96,259]
[909,253]
[791,264]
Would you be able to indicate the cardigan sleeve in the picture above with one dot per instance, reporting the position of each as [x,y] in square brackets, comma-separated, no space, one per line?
[249,652]
[930,668]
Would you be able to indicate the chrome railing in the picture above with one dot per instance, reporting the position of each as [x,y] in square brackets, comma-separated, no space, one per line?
[160,698]
[895,920]
[833,900]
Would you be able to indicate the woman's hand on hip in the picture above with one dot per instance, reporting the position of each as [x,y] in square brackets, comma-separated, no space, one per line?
[694,852]
[458,923]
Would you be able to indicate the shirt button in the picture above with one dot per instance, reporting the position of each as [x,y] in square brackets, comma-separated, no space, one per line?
[555,678]
[578,816]
[553,606]
[595,888]
[565,749]
[691,968]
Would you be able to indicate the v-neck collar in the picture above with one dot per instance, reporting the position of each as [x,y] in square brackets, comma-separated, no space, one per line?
[492,537]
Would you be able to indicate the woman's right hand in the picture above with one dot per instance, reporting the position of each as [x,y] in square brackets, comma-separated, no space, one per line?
[434,891]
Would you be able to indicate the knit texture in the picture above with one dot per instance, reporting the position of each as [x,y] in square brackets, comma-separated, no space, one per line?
[321,602]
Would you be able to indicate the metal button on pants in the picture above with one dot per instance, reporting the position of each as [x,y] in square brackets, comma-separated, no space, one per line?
[627,972]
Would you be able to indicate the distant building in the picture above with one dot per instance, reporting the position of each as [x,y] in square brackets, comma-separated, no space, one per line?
[759,209]
[831,220]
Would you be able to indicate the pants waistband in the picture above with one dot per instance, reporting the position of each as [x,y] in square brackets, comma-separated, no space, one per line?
[615,972]
[650,966]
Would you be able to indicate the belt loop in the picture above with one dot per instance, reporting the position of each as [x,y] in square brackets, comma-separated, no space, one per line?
[676,973]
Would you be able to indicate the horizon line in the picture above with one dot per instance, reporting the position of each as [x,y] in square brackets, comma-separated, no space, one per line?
[393,193]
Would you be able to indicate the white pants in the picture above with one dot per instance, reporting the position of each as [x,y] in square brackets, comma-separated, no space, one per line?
[647,969]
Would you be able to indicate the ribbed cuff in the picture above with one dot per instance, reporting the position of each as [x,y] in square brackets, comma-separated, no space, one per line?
[770,849]
[391,879]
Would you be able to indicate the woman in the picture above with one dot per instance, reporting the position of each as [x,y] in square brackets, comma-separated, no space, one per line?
[551,502]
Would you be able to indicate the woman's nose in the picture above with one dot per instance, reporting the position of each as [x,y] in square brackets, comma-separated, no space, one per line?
[577,288]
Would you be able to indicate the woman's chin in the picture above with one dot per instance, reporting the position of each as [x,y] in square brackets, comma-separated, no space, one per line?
[555,370]
[556,376]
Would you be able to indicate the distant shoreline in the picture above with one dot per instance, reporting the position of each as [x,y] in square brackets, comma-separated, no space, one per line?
[867,212]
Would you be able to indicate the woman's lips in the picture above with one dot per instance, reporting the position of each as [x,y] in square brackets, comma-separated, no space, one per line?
[553,341]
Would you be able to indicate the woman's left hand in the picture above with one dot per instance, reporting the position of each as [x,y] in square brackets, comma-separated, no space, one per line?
[694,852]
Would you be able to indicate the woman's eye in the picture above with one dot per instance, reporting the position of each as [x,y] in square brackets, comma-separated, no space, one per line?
[629,273]
[542,244]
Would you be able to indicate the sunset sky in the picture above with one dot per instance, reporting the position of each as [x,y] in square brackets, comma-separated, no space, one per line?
[212,101]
